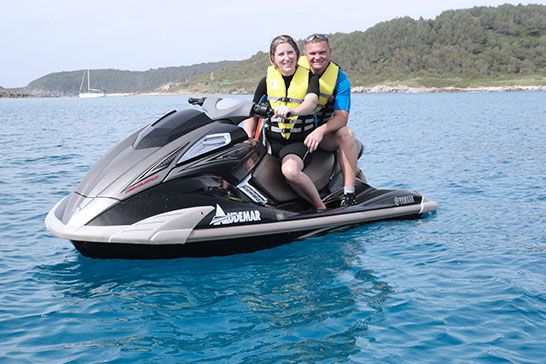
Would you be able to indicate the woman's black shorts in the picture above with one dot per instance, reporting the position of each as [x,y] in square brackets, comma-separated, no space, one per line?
[280,150]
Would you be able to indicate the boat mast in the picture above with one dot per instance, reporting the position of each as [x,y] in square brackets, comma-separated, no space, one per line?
[81,84]
[88,82]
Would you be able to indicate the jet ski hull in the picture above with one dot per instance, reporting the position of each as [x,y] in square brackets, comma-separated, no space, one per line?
[189,249]
[172,235]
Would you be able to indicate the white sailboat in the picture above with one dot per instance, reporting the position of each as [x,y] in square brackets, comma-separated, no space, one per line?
[89,93]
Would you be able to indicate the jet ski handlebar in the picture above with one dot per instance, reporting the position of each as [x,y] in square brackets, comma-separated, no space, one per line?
[196,100]
[263,110]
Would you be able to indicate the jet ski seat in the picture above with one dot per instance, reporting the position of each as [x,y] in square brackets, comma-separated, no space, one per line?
[268,176]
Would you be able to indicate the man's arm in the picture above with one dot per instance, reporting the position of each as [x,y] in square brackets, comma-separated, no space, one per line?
[342,105]
[337,121]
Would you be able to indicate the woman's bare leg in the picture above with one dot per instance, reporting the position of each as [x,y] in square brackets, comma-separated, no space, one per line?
[292,169]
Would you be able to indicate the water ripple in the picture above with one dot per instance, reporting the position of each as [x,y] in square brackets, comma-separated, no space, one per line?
[464,285]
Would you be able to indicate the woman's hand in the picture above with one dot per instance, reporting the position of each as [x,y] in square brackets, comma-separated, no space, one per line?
[284,112]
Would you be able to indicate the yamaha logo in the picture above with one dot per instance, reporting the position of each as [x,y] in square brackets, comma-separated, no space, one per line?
[404,200]
[221,218]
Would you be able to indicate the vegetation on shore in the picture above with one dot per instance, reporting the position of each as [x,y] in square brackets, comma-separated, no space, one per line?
[120,81]
[12,93]
[501,46]
[482,46]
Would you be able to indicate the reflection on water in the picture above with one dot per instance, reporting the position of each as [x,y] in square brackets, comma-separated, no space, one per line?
[270,300]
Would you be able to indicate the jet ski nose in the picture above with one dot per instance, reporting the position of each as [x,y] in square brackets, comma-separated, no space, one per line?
[77,210]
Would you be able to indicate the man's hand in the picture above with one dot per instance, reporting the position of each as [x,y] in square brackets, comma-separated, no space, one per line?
[313,140]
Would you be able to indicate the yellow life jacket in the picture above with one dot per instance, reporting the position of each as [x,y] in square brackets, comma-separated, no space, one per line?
[278,95]
[327,83]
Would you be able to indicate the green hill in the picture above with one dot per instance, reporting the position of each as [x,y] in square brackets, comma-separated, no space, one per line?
[119,81]
[481,46]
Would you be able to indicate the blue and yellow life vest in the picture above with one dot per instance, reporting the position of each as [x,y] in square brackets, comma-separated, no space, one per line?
[278,95]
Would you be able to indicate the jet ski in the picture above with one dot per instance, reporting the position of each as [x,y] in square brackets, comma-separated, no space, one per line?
[192,184]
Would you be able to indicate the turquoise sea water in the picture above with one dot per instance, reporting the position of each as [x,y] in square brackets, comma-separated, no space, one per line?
[467,284]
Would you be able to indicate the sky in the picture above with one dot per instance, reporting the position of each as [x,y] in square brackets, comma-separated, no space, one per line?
[41,37]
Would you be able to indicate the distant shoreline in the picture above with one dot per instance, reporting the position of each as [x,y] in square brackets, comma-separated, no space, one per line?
[377,89]
[409,90]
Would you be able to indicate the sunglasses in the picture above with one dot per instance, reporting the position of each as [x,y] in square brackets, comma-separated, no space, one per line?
[314,36]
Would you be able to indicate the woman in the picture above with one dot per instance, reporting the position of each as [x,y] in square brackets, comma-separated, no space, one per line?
[293,93]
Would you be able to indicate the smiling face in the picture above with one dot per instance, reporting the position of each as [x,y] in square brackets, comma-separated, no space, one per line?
[318,54]
[285,59]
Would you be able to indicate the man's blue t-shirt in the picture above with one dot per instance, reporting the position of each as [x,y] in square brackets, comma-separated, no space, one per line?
[342,92]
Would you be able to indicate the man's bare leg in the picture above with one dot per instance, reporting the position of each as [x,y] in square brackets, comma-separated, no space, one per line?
[344,142]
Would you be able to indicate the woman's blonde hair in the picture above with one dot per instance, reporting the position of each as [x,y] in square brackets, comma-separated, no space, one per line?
[279,40]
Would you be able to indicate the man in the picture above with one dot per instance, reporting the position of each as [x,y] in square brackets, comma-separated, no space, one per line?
[333,114]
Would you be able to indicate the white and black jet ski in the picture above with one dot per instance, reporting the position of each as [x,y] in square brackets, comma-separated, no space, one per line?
[193,184]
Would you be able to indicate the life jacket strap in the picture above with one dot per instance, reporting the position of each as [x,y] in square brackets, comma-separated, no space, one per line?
[284,99]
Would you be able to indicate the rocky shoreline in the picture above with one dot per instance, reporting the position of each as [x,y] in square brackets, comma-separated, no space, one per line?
[411,90]
[382,89]
[377,89]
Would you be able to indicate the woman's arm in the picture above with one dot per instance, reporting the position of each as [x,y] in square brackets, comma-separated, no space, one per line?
[249,125]
[309,103]
[307,106]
